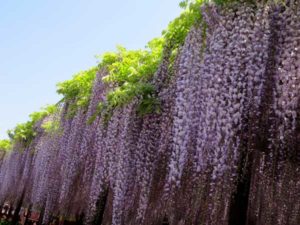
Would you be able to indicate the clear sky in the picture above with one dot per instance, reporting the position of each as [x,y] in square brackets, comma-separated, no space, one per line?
[44,42]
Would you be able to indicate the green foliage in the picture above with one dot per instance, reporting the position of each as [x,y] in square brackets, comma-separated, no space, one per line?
[51,126]
[149,104]
[5,145]
[78,89]
[184,4]
[25,132]
[45,111]
[178,29]
[5,222]
[132,65]
[22,132]
[128,91]
[130,72]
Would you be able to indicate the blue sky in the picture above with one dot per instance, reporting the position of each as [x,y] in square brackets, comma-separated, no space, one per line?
[44,42]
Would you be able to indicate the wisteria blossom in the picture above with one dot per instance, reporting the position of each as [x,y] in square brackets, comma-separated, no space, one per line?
[223,148]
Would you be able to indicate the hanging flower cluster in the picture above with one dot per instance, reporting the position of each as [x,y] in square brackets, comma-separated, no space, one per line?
[219,144]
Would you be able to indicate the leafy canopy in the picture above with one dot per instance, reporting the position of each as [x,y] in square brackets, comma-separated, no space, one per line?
[25,132]
[78,89]
[178,29]
[51,125]
[5,145]
[130,72]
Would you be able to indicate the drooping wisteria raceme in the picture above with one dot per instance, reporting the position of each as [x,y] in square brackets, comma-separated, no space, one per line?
[184,112]
[220,146]
[277,168]
[69,168]
[87,150]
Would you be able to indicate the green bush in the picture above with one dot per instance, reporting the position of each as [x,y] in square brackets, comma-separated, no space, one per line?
[25,132]
[5,222]
[5,145]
